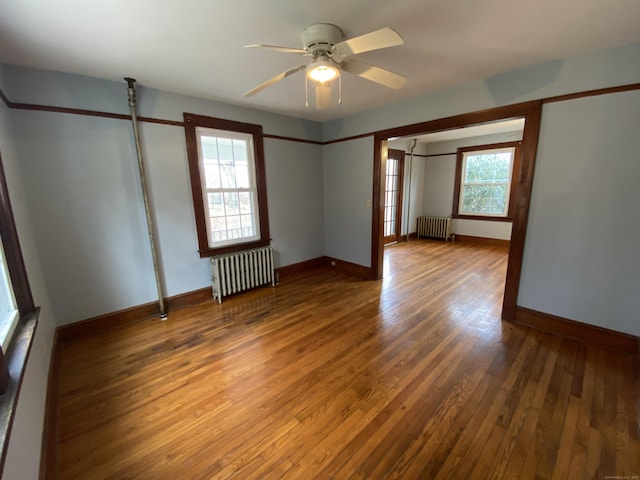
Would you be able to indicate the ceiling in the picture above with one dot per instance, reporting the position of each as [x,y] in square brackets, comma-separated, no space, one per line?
[194,47]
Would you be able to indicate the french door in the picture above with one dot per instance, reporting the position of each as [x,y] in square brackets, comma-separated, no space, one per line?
[393,196]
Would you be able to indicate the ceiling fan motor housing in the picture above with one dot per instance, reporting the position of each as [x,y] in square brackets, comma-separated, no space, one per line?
[318,38]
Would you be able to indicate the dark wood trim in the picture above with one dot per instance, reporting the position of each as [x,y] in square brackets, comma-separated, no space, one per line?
[91,113]
[291,139]
[4,98]
[350,268]
[16,362]
[86,328]
[48,453]
[582,332]
[191,121]
[481,218]
[498,242]
[13,251]
[515,168]
[592,93]
[523,186]
[380,151]
[296,268]
[348,139]
[440,154]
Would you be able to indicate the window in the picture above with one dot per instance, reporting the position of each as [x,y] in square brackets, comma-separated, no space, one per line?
[484,179]
[8,306]
[226,164]
[19,316]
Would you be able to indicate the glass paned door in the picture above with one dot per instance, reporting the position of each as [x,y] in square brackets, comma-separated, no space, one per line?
[393,196]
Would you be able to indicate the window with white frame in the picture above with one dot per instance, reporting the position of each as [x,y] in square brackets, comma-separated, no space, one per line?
[227,173]
[484,180]
[228,183]
[9,313]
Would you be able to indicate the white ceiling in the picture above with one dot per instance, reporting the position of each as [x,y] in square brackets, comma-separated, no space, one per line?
[195,46]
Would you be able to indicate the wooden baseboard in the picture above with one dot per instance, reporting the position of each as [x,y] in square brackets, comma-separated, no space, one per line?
[122,317]
[351,268]
[486,241]
[582,332]
[300,267]
[50,425]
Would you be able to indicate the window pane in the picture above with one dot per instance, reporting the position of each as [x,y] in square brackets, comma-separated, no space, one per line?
[225,149]
[242,176]
[246,202]
[487,199]
[240,151]
[216,205]
[209,148]
[211,174]
[231,204]
[227,174]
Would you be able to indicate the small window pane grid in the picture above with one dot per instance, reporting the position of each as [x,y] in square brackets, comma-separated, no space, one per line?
[228,176]
[391,191]
[486,182]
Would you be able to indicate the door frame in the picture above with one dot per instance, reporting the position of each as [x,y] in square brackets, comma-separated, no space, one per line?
[531,112]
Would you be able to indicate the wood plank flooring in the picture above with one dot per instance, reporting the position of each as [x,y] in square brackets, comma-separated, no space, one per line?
[331,377]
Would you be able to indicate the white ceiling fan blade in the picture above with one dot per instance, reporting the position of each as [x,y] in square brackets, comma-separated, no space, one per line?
[273,80]
[279,49]
[383,38]
[375,74]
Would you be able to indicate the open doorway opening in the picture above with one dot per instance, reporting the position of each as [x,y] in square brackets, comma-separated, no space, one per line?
[530,112]
[463,175]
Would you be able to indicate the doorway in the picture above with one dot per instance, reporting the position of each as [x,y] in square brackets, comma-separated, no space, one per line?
[531,112]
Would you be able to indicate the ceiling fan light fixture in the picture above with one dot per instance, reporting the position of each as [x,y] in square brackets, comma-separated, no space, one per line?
[322,71]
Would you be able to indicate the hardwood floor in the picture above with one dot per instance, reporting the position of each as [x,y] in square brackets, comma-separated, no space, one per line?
[331,377]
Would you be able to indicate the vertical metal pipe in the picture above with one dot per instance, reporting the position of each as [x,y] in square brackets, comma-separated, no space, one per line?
[413,146]
[145,195]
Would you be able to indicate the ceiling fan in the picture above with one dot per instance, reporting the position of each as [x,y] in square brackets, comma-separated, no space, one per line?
[330,55]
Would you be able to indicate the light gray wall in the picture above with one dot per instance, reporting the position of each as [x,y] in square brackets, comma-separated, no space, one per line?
[439,181]
[348,189]
[81,184]
[616,66]
[296,200]
[25,442]
[581,258]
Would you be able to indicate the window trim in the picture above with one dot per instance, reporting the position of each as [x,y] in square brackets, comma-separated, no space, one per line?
[517,154]
[13,361]
[191,122]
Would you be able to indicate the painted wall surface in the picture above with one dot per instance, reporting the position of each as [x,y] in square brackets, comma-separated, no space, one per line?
[439,181]
[348,189]
[26,435]
[82,186]
[617,66]
[581,258]
[296,200]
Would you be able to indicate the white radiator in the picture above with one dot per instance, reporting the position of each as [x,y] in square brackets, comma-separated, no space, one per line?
[435,227]
[239,271]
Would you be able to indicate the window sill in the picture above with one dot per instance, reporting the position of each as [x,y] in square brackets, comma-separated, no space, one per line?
[483,217]
[16,361]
